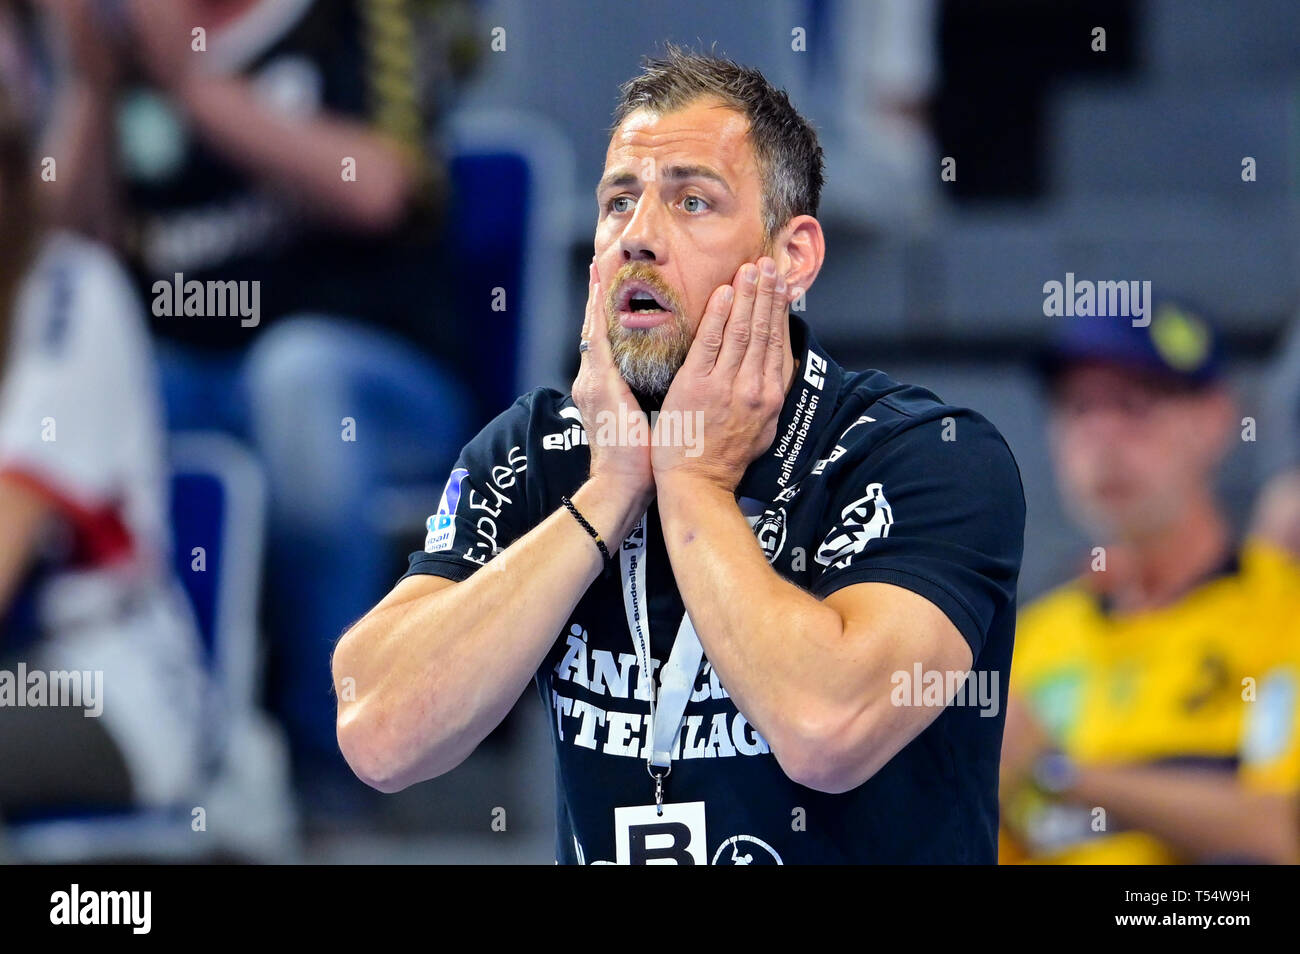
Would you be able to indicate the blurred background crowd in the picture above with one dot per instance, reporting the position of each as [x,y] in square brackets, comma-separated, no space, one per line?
[387,207]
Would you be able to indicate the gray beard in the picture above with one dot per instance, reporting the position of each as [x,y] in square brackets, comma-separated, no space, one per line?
[647,376]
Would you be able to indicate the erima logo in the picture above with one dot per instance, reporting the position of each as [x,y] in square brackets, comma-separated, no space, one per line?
[575,435]
[815,373]
[866,519]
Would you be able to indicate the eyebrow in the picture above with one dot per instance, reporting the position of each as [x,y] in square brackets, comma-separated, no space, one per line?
[626,177]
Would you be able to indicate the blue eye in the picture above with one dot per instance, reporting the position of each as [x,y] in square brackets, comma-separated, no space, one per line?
[694,198]
[613,203]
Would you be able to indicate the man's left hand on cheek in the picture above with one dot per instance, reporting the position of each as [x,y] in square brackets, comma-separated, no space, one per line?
[721,411]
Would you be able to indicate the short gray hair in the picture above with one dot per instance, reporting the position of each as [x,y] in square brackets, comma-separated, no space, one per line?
[785,144]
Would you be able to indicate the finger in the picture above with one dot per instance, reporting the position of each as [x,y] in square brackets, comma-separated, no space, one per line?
[598,329]
[591,359]
[780,324]
[735,338]
[586,314]
[708,336]
[583,384]
[761,320]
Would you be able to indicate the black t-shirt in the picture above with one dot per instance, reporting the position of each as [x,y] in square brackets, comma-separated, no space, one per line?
[867,480]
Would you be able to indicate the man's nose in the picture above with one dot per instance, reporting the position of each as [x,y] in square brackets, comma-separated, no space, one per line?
[643,237]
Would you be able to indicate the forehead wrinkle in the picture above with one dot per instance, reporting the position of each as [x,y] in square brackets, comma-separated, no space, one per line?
[680,170]
[730,147]
[639,125]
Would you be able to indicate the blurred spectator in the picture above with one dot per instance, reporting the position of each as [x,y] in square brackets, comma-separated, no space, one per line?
[96,636]
[288,155]
[1149,719]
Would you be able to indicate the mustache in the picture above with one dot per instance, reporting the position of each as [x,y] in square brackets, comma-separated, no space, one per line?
[641,272]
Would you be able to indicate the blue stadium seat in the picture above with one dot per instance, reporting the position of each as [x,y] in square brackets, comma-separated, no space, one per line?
[517,241]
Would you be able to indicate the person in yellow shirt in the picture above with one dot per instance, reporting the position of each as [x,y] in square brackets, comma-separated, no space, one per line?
[1152,716]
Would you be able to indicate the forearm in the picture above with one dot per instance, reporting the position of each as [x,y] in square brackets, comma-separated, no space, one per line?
[431,677]
[1201,814]
[303,157]
[83,195]
[778,650]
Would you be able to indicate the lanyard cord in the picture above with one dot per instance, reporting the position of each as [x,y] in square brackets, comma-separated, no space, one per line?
[668,706]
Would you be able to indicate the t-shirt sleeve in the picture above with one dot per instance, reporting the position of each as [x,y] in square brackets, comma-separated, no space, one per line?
[937,508]
[484,505]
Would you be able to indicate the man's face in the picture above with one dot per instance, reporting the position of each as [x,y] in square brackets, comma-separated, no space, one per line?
[1129,453]
[680,210]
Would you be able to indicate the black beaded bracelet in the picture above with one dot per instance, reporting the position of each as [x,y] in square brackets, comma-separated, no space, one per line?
[568,504]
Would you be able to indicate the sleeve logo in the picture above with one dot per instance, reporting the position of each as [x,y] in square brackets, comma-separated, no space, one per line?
[815,372]
[769,529]
[867,518]
[575,435]
[442,525]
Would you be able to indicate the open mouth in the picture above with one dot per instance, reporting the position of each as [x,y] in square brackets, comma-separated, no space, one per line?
[644,301]
[641,306]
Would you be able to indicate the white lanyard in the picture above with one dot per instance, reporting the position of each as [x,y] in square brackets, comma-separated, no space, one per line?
[677,678]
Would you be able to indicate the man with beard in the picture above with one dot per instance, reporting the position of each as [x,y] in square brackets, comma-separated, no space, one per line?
[1153,717]
[728,633]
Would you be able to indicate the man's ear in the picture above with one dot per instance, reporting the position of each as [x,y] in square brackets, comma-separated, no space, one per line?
[799,250]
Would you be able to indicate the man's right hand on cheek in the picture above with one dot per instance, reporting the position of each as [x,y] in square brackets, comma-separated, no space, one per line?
[618,431]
